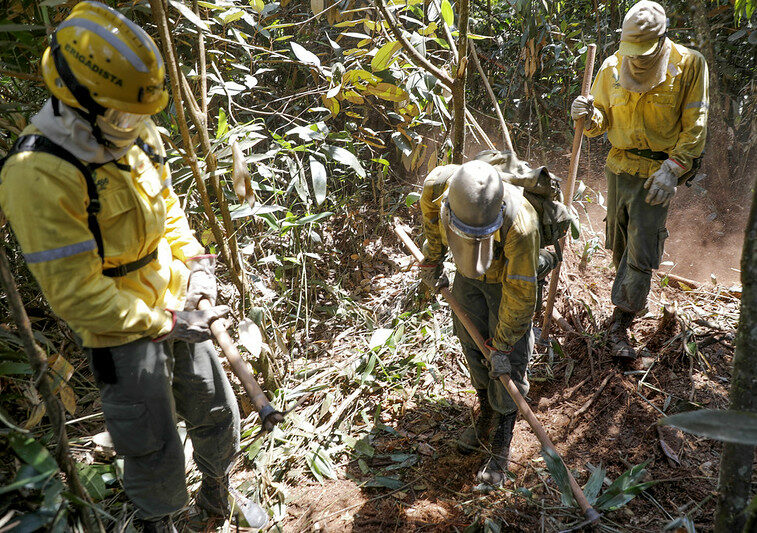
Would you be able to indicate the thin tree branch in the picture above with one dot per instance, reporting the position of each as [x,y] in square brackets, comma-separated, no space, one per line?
[505,132]
[410,49]
[53,407]
[20,75]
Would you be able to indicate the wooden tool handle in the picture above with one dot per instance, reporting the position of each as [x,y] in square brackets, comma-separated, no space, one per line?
[578,136]
[512,390]
[239,366]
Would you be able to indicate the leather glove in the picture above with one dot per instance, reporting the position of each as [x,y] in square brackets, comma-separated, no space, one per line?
[194,326]
[582,106]
[547,262]
[500,364]
[662,184]
[433,276]
[202,281]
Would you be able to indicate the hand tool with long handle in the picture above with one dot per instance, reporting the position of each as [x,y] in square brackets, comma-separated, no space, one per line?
[578,136]
[269,416]
[589,512]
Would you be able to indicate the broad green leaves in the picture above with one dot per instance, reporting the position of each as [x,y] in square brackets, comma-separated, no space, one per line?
[384,56]
[728,426]
[447,14]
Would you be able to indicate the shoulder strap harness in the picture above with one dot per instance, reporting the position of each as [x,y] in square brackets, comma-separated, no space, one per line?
[40,143]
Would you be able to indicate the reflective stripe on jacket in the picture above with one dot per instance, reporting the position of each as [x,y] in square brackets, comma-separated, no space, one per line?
[514,264]
[44,199]
[671,117]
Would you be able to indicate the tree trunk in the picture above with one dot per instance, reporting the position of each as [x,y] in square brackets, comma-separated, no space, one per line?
[458,88]
[737,459]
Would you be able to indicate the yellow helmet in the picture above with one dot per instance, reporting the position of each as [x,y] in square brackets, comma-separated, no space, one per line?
[98,60]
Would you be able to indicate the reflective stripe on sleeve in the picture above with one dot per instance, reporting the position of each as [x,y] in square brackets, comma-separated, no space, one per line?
[530,279]
[60,253]
[694,105]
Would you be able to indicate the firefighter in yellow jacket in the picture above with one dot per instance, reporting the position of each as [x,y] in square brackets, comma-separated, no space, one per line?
[87,192]
[651,98]
[493,234]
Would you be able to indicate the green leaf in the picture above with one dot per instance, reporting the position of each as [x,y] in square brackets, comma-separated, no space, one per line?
[341,155]
[318,175]
[594,485]
[306,56]
[385,482]
[14,367]
[624,489]
[92,479]
[313,218]
[257,5]
[728,426]
[223,125]
[189,15]
[560,474]
[320,464]
[412,198]
[384,56]
[33,453]
[447,14]
[26,481]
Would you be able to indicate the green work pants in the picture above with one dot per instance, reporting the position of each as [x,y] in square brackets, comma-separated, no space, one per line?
[480,300]
[156,382]
[636,235]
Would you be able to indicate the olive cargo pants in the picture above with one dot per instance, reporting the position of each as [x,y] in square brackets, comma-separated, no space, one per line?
[480,300]
[635,232]
[155,382]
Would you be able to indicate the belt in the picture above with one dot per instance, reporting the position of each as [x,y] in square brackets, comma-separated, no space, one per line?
[122,270]
[648,154]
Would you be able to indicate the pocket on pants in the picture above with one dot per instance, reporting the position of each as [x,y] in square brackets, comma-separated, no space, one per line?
[129,427]
[662,234]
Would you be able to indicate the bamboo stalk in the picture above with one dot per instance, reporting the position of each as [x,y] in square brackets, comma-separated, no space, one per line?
[508,143]
[159,15]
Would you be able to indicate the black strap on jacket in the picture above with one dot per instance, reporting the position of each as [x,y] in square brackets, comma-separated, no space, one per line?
[40,143]
[648,154]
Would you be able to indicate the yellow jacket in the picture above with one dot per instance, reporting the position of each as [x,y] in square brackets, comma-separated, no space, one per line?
[515,261]
[670,118]
[44,198]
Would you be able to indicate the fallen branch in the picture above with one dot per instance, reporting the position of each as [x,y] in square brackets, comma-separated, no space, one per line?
[585,407]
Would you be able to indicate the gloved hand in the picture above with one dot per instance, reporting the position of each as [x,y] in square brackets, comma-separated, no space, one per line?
[662,184]
[194,326]
[582,106]
[433,276]
[202,281]
[500,364]
[547,262]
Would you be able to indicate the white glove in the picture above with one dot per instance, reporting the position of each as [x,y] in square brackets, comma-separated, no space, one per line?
[662,184]
[582,106]
[202,281]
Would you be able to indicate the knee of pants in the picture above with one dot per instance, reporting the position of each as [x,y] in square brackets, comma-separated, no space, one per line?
[479,371]
[133,428]
[645,252]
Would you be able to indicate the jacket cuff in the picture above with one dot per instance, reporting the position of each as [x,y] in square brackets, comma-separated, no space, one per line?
[173,324]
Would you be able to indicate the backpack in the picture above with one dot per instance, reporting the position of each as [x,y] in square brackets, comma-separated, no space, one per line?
[542,190]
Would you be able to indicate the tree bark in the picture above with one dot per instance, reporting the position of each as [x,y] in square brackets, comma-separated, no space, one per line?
[458,87]
[737,459]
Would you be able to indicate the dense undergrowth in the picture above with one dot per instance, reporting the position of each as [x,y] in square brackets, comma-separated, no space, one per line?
[337,128]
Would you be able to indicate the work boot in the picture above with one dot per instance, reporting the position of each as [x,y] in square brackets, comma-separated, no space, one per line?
[213,497]
[477,434]
[157,525]
[620,343]
[494,471]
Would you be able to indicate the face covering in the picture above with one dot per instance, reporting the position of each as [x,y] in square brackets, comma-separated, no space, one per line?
[640,74]
[70,130]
